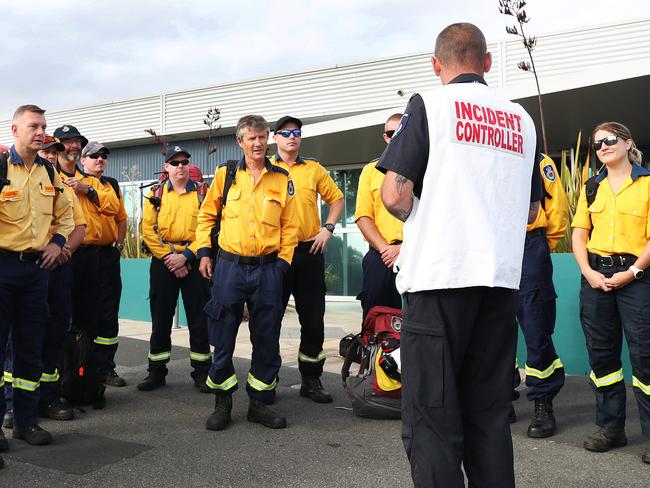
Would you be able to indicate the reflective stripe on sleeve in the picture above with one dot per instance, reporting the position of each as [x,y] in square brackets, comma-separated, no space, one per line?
[607,380]
[309,359]
[162,356]
[555,365]
[106,341]
[197,356]
[258,385]
[225,386]
[644,388]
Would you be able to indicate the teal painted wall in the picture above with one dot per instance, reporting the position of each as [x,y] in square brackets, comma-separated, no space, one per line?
[568,338]
[134,304]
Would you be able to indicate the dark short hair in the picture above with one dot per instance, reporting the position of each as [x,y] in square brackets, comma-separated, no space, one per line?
[27,108]
[461,45]
[255,122]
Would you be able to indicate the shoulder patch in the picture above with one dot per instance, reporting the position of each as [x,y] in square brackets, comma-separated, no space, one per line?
[291,189]
[549,172]
[402,125]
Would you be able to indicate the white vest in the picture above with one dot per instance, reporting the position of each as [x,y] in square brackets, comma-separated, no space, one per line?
[469,225]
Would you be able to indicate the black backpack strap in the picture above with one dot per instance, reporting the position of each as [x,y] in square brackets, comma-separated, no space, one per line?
[591,189]
[113,182]
[4,169]
[231,173]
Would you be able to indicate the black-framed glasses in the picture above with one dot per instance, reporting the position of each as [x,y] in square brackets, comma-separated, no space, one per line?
[389,133]
[176,162]
[608,141]
[287,132]
[104,156]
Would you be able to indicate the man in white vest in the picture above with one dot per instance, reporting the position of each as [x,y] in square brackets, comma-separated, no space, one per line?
[458,172]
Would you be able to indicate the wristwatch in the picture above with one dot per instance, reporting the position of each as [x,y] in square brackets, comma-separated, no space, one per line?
[330,227]
[119,247]
[90,192]
[637,272]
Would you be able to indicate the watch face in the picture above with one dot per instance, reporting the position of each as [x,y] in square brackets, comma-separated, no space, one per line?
[639,274]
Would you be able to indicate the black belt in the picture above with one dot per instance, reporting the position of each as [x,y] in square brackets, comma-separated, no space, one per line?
[596,260]
[24,256]
[266,258]
[540,231]
[304,246]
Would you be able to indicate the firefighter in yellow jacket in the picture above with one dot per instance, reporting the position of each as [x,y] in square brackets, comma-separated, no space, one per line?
[168,228]
[548,220]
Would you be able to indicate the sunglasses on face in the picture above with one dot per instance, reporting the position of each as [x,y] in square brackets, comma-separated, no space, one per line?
[99,155]
[608,141]
[176,162]
[287,132]
[390,133]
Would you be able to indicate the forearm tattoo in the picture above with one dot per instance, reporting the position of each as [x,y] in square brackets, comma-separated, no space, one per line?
[400,181]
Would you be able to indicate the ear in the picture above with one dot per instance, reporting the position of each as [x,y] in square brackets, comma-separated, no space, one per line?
[487,62]
[14,130]
[437,67]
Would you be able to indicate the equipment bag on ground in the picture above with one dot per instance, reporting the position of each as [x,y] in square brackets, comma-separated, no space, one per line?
[80,384]
[375,390]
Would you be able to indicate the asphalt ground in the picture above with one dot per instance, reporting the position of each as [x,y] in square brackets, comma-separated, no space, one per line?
[158,439]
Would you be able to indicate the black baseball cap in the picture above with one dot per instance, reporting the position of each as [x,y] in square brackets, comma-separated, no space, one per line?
[49,141]
[286,119]
[174,150]
[68,132]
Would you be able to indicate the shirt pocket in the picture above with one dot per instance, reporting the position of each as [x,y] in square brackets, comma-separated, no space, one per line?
[634,208]
[45,200]
[12,205]
[272,211]
[307,194]
[233,203]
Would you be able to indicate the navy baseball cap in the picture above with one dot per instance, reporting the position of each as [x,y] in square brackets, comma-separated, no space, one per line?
[49,141]
[286,119]
[174,150]
[68,132]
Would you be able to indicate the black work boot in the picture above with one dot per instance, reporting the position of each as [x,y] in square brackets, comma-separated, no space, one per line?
[313,389]
[113,379]
[543,421]
[258,412]
[56,411]
[4,445]
[512,415]
[155,379]
[33,434]
[220,418]
[605,439]
[199,378]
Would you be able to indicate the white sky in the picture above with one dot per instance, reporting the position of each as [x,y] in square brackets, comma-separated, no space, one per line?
[71,53]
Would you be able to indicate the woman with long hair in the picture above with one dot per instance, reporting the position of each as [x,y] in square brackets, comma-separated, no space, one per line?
[611,235]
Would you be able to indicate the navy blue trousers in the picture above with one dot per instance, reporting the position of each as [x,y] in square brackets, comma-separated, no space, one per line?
[378,285]
[306,281]
[107,302]
[260,287]
[23,313]
[536,317]
[605,316]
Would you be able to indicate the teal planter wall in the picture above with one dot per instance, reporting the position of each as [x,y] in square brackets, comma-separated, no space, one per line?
[134,304]
[568,337]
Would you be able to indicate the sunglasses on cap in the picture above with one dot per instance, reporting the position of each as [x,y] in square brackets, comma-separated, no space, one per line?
[176,162]
[389,133]
[287,132]
[99,155]
[50,139]
[608,141]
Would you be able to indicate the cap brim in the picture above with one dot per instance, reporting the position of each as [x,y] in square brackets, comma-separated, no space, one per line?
[179,152]
[285,120]
[56,145]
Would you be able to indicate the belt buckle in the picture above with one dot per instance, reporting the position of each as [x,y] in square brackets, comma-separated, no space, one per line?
[24,257]
[604,261]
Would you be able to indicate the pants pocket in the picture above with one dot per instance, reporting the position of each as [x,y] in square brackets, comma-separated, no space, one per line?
[423,364]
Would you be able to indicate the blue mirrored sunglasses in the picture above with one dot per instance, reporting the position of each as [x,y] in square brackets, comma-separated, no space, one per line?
[287,132]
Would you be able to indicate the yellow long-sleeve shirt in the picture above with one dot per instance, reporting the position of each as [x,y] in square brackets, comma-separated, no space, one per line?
[108,233]
[554,216]
[177,221]
[33,209]
[257,219]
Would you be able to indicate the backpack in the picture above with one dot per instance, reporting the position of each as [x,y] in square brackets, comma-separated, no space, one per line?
[231,173]
[4,169]
[375,391]
[80,383]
